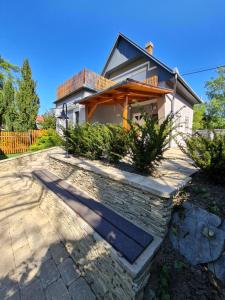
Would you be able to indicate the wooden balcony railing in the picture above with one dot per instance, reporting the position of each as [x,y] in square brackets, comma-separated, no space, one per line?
[92,80]
[85,78]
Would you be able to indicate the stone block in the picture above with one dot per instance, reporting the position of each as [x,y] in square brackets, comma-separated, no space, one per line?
[33,291]
[80,290]
[68,271]
[57,291]
[48,273]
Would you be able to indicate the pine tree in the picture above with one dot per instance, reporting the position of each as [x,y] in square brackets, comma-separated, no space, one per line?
[6,72]
[27,99]
[9,117]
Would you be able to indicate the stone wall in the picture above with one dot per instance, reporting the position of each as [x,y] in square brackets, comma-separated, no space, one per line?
[144,209]
[25,160]
[106,272]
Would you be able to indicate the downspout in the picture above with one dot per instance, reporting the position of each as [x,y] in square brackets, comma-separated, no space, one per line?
[173,99]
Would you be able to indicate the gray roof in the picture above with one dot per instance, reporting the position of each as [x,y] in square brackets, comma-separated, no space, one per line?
[142,50]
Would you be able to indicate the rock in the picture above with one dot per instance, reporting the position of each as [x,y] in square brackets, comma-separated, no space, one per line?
[195,235]
[149,294]
[223,225]
[218,268]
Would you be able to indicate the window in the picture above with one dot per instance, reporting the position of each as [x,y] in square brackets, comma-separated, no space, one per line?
[76,115]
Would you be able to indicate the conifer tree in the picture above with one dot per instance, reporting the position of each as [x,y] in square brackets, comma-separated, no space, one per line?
[9,102]
[27,100]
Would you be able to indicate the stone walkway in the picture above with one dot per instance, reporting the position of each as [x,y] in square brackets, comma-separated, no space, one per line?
[34,263]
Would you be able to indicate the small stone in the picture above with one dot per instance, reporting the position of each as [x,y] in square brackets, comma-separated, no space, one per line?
[218,268]
[80,290]
[33,291]
[59,253]
[57,291]
[68,271]
[48,273]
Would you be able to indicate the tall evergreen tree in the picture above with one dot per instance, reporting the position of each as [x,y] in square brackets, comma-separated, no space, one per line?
[6,72]
[27,99]
[9,117]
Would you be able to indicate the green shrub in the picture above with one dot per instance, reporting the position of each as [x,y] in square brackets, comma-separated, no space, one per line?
[48,140]
[208,154]
[97,141]
[88,140]
[118,143]
[149,141]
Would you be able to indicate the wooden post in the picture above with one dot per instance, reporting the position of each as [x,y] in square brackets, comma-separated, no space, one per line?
[91,110]
[125,113]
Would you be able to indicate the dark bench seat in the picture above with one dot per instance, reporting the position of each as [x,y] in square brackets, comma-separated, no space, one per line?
[124,236]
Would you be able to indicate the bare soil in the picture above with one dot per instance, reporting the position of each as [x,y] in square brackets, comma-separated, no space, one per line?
[172,277]
[204,194]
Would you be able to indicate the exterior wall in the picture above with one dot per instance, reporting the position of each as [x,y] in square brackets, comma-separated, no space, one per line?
[140,70]
[184,118]
[108,114]
[72,108]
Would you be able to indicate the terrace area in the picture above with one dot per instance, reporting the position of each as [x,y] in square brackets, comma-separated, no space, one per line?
[89,79]
[85,78]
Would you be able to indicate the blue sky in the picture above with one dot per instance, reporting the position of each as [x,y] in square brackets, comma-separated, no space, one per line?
[60,37]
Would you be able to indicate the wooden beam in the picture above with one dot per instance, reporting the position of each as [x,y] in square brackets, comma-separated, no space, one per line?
[91,109]
[125,113]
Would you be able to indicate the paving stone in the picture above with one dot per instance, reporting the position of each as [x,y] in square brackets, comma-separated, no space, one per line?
[57,291]
[8,288]
[26,273]
[59,253]
[80,290]
[22,254]
[68,271]
[33,291]
[48,273]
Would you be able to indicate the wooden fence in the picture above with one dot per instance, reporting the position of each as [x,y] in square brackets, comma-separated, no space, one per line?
[18,142]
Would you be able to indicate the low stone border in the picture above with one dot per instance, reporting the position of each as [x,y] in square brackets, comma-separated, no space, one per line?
[135,197]
[109,275]
[14,163]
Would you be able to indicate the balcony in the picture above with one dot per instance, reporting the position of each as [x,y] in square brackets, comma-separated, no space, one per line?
[85,78]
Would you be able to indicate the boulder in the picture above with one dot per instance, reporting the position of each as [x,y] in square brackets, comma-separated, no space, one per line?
[195,234]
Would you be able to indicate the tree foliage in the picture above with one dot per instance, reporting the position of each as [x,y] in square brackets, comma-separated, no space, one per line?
[97,141]
[149,141]
[49,120]
[6,73]
[199,116]
[27,99]
[208,154]
[9,108]
[211,115]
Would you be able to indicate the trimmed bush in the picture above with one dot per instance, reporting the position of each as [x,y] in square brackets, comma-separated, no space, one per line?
[97,141]
[208,154]
[48,140]
[149,141]
[118,144]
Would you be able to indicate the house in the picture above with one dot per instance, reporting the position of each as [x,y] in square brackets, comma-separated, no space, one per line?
[39,121]
[133,80]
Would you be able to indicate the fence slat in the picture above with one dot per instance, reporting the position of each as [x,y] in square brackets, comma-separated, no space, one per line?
[18,142]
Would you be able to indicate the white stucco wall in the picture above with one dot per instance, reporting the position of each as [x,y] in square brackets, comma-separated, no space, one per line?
[108,114]
[72,107]
[184,117]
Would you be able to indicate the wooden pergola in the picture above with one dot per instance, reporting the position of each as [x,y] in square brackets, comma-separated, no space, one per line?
[124,93]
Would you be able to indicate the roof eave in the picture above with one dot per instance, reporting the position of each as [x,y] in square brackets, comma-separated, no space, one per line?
[74,92]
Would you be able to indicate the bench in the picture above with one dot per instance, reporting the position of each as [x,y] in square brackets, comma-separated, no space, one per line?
[111,252]
[128,239]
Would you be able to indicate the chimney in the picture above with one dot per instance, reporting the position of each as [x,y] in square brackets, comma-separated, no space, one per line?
[149,47]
